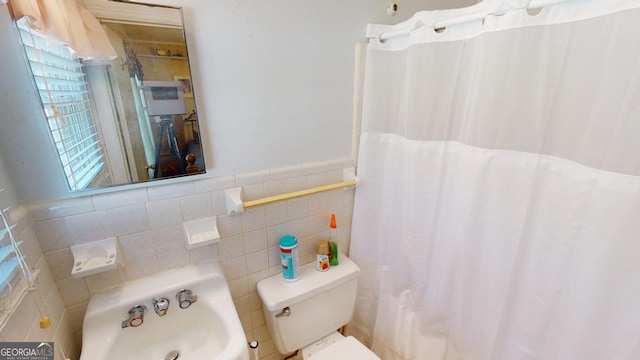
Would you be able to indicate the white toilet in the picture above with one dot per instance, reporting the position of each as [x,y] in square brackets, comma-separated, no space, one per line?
[306,314]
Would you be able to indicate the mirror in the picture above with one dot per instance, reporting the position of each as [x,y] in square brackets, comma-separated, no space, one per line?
[142,104]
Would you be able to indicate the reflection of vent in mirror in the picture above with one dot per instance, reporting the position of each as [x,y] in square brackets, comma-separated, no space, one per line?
[139,111]
[164,97]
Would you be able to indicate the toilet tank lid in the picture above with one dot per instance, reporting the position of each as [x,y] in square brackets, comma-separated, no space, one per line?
[277,294]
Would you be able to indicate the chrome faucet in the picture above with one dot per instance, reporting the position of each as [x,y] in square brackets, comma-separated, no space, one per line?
[186,298]
[135,317]
[161,305]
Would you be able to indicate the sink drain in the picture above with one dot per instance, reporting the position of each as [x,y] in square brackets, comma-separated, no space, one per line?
[172,355]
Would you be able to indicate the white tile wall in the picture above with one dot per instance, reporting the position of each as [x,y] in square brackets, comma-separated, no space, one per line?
[196,206]
[24,323]
[148,225]
[164,212]
[217,183]
[117,199]
[61,208]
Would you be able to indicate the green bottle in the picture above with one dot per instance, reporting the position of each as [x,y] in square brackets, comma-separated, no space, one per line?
[333,245]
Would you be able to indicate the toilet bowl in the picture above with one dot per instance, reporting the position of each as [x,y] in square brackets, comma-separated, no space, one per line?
[305,314]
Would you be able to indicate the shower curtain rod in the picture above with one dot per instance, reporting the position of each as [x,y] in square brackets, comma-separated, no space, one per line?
[440,25]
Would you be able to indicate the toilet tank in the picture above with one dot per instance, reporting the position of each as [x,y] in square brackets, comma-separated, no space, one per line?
[319,304]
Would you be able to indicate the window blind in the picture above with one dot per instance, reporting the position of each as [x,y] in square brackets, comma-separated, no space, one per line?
[61,82]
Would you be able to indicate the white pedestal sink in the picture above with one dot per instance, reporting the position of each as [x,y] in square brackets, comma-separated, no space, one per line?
[209,329]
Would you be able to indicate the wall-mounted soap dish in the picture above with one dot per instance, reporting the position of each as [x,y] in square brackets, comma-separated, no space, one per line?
[95,257]
[201,232]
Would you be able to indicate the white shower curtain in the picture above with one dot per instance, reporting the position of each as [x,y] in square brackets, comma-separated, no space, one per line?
[499,215]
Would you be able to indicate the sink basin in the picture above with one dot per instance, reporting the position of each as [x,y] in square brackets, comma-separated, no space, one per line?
[208,329]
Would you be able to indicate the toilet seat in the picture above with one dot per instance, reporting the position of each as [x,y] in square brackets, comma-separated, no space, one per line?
[347,348]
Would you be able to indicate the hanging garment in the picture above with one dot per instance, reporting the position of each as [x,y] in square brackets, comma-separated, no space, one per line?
[66,23]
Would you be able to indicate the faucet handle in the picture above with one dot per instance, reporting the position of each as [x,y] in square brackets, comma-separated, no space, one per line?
[135,316]
[186,298]
[160,305]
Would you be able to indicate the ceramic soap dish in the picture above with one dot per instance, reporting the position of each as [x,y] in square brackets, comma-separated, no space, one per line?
[95,257]
[201,232]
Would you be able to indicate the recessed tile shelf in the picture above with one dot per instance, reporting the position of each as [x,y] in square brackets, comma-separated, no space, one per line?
[201,232]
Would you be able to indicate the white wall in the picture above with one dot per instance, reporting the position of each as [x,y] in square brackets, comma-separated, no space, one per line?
[9,195]
[30,166]
[273,81]
[275,78]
